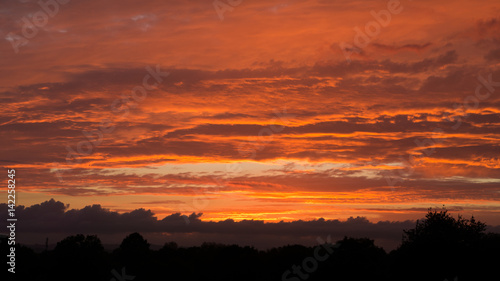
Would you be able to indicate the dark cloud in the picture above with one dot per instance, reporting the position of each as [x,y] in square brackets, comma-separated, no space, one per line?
[493,55]
[411,47]
[54,218]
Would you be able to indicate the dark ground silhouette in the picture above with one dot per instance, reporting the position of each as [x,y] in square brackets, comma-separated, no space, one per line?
[439,248]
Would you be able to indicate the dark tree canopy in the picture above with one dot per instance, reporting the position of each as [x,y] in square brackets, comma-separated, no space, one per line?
[134,243]
[79,243]
[440,227]
[78,253]
[442,247]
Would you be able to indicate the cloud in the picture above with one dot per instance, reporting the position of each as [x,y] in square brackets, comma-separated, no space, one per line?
[410,47]
[54,217]
[493,55]
[351,123]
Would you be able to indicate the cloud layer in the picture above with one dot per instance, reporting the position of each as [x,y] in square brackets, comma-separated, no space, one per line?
[261,115]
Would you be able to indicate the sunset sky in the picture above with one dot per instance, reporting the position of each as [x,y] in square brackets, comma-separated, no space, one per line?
[268,110]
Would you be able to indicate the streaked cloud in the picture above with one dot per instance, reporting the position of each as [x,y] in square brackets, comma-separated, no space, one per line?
[261,114]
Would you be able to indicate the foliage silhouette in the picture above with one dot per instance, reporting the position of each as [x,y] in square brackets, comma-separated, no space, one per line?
[439,247]
[79,257]
[440,227]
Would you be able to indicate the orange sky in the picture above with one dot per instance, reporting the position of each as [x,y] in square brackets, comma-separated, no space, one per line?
[260,116]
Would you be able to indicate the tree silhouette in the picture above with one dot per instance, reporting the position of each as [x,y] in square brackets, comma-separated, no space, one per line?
[355,259]
[80,257]
[135,243]
[440,227]
[79,243]
[441,247]
[134,254]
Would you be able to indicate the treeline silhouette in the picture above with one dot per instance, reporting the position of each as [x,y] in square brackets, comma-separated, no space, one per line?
[439,248]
